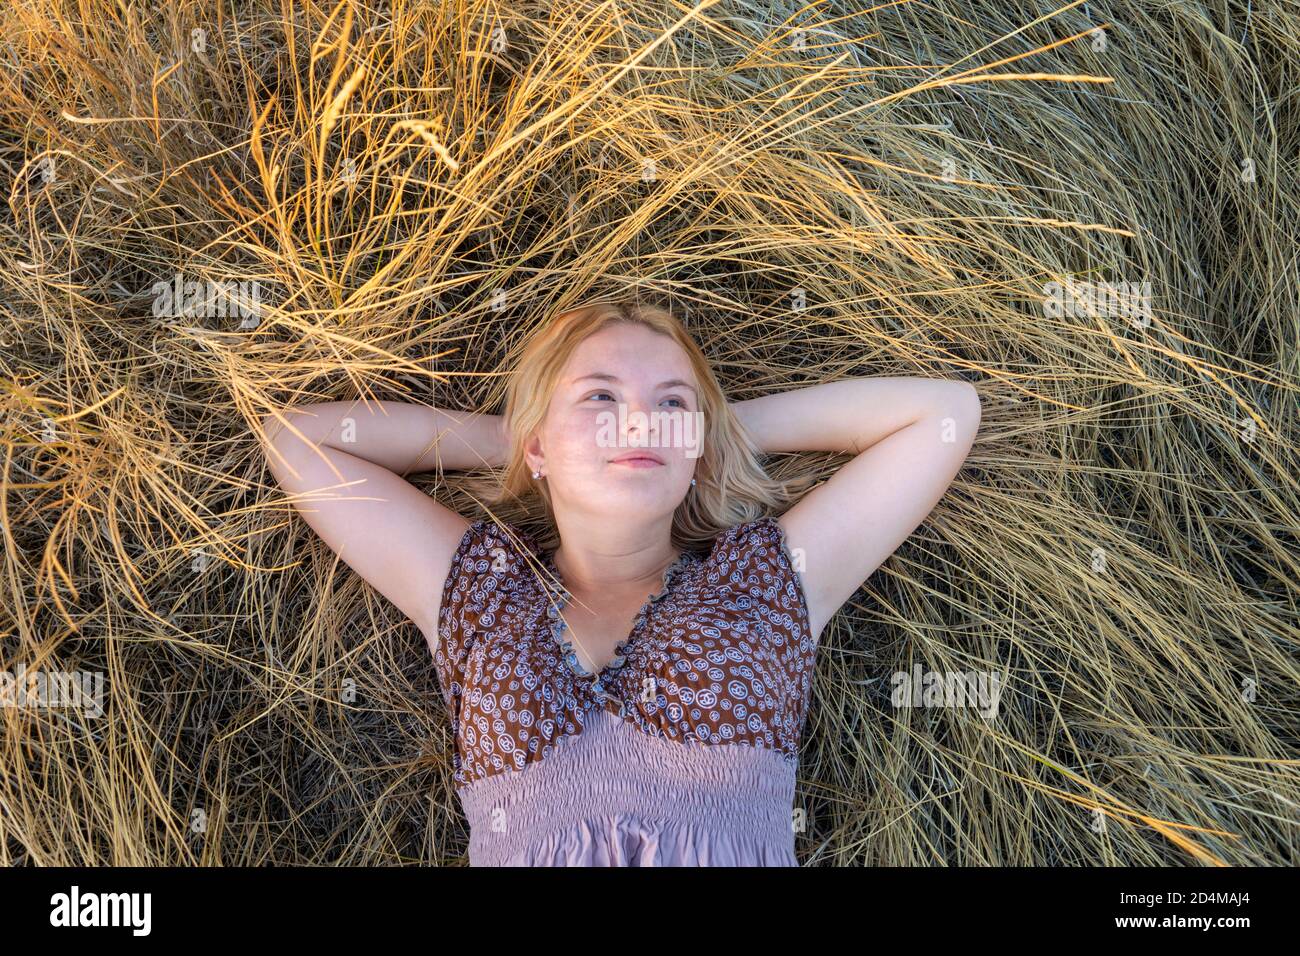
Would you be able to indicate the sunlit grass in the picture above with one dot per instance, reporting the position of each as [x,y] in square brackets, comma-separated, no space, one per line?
[410,188]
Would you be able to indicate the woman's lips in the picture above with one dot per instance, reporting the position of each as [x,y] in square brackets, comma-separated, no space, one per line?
[638,462]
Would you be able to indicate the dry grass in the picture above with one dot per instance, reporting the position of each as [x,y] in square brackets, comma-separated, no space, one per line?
[412,191]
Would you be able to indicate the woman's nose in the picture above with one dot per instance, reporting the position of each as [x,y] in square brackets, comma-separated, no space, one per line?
[641,424]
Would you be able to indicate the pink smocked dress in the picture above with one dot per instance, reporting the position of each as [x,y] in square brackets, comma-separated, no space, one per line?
[681,752]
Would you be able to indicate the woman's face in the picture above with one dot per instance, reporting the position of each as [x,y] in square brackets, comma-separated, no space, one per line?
[626,393]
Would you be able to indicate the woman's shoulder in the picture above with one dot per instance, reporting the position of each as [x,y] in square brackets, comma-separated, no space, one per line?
[495,531]
[763,536]
[504,553]
[755,555]
[483,588]
[494,550]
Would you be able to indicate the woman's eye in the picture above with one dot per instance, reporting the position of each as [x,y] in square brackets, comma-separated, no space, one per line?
[677,400]
[595,394]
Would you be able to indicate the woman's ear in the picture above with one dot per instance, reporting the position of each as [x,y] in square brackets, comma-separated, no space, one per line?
[533,457]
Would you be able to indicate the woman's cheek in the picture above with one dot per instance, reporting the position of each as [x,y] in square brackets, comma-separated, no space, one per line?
[580,446]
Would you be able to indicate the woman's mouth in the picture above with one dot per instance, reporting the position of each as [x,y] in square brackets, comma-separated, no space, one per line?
[641,460]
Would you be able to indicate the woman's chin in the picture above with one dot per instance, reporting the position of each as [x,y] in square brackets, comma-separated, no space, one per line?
[631,495]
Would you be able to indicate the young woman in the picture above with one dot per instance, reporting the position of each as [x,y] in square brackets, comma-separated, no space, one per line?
[632,689]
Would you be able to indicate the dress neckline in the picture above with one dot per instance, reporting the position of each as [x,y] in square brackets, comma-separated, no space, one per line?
[559,600]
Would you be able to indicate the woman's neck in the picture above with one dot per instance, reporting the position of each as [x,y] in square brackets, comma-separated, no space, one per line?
[615,560]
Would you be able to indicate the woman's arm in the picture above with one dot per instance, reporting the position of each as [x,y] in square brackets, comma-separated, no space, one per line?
[909,435]
[401,437]
[342,465]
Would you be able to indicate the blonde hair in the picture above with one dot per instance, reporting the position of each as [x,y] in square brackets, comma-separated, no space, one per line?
[731,485]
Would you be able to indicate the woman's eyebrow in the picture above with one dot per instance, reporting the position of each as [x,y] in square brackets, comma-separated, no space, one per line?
[606,377]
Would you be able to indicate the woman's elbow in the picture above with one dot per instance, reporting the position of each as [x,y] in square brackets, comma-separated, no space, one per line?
[960,412]
[958,397]
[271,425]
[972,409]
[970,396]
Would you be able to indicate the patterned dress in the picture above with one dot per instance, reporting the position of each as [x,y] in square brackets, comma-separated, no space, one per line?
[681,752]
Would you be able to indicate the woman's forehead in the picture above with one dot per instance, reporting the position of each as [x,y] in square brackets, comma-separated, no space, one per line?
[628,352]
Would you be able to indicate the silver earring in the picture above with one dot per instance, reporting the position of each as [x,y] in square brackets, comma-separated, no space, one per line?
[692,481]
[537,474]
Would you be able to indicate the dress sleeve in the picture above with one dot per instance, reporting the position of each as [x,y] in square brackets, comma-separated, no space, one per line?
[755,559]
[484,573]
